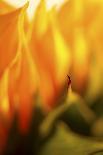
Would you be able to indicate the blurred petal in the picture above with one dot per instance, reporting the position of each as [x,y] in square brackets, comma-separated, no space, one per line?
[10,45]
[9,40]
[4,106]
[43,51]
[71,19]
[26,89]
[65,18]
[80,60]
[40,23]
[62,51]
[51,54]
[5,7]
[25,74]
[96,32]
[4,109]
[92,8]
[74,12]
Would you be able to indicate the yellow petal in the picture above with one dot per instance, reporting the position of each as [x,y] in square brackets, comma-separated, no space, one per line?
[76,13]
[95,31]
[51,55]
[4,105]
[92,8]
[78,10]
[65,18]
[40,22]
[80,59]
[62,51]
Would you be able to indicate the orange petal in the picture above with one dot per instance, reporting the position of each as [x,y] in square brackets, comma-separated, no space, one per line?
[9,40]
[92,8]
[50,53]
[5,7]
[23,72]
[26,91]
[10,45]
[65,18]
[76,13]
[4,108]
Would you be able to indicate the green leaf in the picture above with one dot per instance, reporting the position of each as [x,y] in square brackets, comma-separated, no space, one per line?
[64,142]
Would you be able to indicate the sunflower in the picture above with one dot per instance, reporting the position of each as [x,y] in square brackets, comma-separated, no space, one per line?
[37,56]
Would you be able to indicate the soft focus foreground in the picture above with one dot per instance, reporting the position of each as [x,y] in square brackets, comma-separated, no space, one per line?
[51,89]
